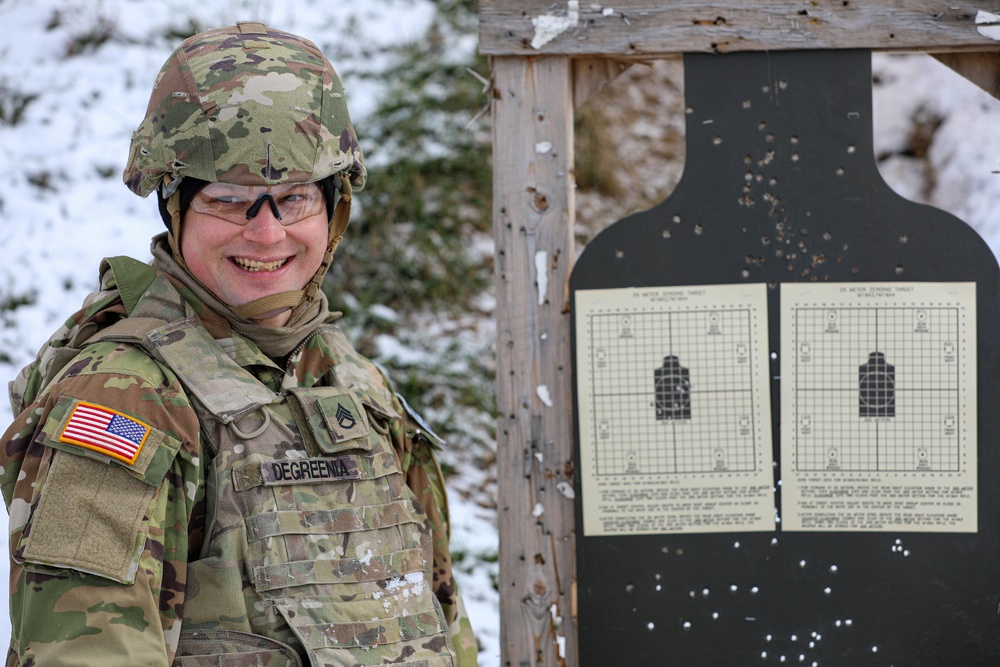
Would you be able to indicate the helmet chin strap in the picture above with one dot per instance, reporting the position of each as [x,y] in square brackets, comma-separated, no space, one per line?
[281,301]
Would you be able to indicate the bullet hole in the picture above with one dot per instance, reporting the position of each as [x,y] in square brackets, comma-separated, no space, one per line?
[717,140]
[676,218]
[795,157]
[827,236]
[782,85]
[698,229]
[850,150]
[904,239]
[795,139]
[746,104]
[619,254]
[666,233]
[899,269]
[840,171]
[745,273]
[761,126]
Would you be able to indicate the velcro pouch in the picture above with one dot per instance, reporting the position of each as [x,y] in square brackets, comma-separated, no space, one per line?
[91,513]
[228,648]
[332,418]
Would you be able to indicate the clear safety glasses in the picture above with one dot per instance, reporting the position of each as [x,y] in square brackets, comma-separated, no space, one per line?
[239,204]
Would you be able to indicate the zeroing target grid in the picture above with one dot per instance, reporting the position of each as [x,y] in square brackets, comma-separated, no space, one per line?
[877,389]
[673,391]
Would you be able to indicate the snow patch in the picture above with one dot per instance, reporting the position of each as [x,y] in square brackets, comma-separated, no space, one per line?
[543,394]
[541,275]
[988,25]
[550,26]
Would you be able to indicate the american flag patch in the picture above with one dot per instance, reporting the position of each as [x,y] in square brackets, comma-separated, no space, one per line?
[105,431]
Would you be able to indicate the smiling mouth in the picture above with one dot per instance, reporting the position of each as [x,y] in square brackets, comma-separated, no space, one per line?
[254,266]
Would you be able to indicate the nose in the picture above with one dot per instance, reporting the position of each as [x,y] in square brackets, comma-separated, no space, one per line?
[264,227]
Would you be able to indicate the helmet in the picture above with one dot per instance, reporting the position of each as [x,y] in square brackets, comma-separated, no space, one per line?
[247,105]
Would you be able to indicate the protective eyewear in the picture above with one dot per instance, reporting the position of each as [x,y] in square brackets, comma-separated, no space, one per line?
[240,204]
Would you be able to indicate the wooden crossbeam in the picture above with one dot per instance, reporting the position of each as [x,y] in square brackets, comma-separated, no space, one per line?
[644,29]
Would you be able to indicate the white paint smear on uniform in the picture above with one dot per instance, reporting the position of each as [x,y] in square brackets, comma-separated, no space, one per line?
[550,26]
[541,276]
[543,393]
[988,25]
[19,512]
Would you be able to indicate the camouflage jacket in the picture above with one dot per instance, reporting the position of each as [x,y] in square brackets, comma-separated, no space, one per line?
[102,540]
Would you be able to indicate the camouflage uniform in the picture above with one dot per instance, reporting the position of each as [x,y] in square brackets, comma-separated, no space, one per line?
[178,496]
[120,563]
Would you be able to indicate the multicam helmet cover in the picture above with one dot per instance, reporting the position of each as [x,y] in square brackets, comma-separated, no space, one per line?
[247,105]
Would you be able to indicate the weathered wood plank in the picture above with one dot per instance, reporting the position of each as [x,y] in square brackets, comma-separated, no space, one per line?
[533,227]
[643,29]
[590,75]
[982,69]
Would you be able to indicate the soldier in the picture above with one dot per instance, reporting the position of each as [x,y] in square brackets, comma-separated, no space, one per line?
[203,471]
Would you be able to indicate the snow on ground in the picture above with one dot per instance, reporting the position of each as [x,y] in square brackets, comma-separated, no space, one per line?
[63,206]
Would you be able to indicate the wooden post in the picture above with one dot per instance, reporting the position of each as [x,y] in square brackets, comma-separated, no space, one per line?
[533,226]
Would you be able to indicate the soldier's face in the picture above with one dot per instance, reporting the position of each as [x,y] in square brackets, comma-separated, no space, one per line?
[241,263]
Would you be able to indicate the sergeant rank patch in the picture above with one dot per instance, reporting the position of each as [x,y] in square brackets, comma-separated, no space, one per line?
[106,431]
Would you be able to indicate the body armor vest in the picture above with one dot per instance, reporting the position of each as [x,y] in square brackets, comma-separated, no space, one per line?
[313,539]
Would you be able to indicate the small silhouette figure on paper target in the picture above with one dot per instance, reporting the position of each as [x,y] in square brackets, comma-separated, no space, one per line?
[877,387]
[673,390]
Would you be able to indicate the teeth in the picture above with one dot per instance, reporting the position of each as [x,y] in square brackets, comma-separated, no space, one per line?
[254,265]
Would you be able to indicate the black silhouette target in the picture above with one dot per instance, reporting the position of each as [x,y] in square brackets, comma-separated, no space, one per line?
[672,390]
[877,387]
[780,185]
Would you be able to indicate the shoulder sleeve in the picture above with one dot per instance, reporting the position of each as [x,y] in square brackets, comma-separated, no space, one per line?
[417,447]
[103,481]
